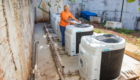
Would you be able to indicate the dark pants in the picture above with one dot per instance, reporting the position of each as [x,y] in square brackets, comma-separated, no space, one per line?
[62,29]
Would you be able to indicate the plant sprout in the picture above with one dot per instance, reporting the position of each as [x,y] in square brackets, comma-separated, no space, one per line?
[72,1]
[129,1]
[57,1]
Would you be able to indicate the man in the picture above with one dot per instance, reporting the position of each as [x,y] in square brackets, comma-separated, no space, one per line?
[66,16]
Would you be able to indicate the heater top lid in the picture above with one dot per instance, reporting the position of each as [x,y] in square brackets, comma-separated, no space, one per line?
[82,25]
[103,41]
[55,15]
[108,38]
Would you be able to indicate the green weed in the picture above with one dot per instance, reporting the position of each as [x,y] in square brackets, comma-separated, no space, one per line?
[137,53]
[129,35]
[135,37]
[110,28]
[134,42]
[103,24]
[107,33]
[127,40]
[139,47]
[99,31]
[138,39]
[124,31]
[137,31]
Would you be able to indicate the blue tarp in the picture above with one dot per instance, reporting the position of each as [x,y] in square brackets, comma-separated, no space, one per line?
[87,14]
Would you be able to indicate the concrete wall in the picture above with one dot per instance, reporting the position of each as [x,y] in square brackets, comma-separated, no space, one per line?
[110,10]
[42,16]
[130,15]
[16,30]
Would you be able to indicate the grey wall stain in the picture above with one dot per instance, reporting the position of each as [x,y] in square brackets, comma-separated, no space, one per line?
[105,2]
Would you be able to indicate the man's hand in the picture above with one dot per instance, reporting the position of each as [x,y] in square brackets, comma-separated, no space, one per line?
[73,23]
[68,21]
[79,22]
[75,19]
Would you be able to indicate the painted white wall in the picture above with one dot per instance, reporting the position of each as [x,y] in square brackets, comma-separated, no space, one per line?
[110,10]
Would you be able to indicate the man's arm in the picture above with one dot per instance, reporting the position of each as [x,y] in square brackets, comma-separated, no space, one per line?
[72,17]
[68,21]
[75,19]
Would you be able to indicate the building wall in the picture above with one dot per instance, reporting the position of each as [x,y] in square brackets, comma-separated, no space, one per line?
[110,10]
[16,30]
[130,15]
[42,16]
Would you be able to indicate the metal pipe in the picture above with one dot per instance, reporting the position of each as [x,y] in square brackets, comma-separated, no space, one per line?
[122,11]
[46,35]
[72,73]
[35,15]
[36,59]
[54,47]
[58,69]
[55,55]
[55,50]
[42,8]
[81,5]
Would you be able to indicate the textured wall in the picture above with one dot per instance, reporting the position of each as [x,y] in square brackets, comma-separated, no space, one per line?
[43,16]
[110,10]
[130,15]
[16,29]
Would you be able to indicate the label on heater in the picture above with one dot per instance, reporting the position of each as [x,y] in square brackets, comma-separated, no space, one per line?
[106,50]
[78,31]
[81,53]
[81,61]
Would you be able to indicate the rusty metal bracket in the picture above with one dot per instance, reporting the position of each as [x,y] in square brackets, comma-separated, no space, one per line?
[58,61]
[72,73]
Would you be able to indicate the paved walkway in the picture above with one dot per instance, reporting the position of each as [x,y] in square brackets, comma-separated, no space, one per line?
[45,64]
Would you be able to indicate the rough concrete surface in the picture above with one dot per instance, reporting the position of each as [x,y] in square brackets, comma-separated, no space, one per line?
[130,63]
[132,48]
[46,69]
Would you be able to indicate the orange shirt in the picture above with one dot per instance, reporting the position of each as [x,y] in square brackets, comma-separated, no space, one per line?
[65,15]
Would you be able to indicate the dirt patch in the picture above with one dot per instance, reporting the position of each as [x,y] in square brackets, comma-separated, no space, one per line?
[95,21]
